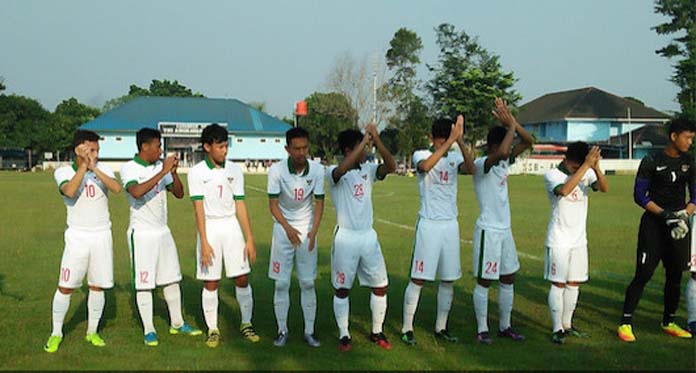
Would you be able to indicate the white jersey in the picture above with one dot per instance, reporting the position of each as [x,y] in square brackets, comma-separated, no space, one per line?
[492,194]
[352,196]
[294,191]
[438,187]
[218,188]
[150,210]
[568,214]
[89,209]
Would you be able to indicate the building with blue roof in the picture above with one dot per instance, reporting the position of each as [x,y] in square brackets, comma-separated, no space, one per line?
[254,135]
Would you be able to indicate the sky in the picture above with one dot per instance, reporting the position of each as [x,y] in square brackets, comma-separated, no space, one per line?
[279,52]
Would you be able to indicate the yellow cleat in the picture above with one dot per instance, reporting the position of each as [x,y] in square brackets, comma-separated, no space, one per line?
[625,332]
[95,340]
[675,330]
[213,338]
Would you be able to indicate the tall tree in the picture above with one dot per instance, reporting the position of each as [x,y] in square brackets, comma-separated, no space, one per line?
[682,14]
[24,123]
[327,115]
[2,84]
[467,79]
[409,115]
[163,88]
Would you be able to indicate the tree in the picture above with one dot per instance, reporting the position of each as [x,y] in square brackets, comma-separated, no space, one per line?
[24,123]
[163,88]
[258,105]
[682,14]
[467,79]
[2,84]
[327,115]
[68,116]
[409,116]
[353,80]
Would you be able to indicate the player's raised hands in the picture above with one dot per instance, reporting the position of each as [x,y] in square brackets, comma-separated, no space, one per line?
[371,129]
[457,129]
[168,163]
[503,114]
[593,156]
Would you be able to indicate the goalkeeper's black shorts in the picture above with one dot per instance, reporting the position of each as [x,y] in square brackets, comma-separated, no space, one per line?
[655,244]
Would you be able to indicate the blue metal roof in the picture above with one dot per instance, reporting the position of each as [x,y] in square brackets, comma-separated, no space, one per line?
[148,111]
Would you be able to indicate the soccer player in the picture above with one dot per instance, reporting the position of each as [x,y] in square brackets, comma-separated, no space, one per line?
[436,249]
[84,187]
[566,261]
[495,254]
[291,186]
[355,247]
[154,258]
[660,189]
[216,188]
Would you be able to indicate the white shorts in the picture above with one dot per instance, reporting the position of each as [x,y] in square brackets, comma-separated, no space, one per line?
[495,253]
[436,250]
[226,238]
[283,253]
[357,252]
[88,253]
[566,264]
[154,259]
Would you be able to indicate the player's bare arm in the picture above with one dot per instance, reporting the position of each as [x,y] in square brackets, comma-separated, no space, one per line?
[70,188]
[502,112]
[602,184]
[591,158]
[318,213]
[389,165]
[139,190]
[111,184]
[243,217]
[352,158]
[177,188]
[456,133]
[467,167]
[292,233]
[207,253]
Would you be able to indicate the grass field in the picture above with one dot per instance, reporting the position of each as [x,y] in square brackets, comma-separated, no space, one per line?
[31,245]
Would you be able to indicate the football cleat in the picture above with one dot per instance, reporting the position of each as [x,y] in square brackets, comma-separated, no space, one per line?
[572,332]
[281,339]
[675,330]
[95,340]
[380,340]
[185,328]
[558,337]
[509,333]
[213,339]
[408,338]
[625,332]
[484,338]
[446,336]
[311,340]
[344,344]
[151,339]
[249,333]
[53,343]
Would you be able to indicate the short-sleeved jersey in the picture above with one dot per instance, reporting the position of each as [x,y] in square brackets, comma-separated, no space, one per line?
[567,225]
[150,210]
[294,191]
[438,187]
[352,196]
[89,209]
[492,194]
[668,179]
[218,188]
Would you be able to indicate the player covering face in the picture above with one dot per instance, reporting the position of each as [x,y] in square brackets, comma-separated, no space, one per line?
[84,186]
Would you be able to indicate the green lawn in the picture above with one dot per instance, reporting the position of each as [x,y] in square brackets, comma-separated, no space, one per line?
[31,244]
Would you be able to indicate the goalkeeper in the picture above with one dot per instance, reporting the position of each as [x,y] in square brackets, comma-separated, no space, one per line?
[660,189]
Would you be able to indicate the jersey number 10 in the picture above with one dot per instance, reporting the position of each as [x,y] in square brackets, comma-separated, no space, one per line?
[90,190]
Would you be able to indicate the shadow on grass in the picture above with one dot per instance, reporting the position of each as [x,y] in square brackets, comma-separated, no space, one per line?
[4,293]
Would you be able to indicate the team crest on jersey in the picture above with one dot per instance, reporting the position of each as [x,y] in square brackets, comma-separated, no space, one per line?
[230,179]
[309,182]
[685,167]
[451,164]
[364,177]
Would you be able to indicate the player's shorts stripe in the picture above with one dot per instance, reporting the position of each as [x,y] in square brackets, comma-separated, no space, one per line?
[196,198]
[413,252]
[239,198]
[132,242]
[333,240]
[481,250]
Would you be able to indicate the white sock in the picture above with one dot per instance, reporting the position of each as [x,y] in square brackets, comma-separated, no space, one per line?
[378,306]
[172,294]
[281,305]
[411,296]
[144,301]
[506,294]
[570,300]
[95,307]
[481,307]
[246,303]
[445,293]
[308,299]
[691,299]
[61,303]
[209,300]
[556,307]
[341,311]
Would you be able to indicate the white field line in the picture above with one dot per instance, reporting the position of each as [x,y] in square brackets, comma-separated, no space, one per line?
[413,229]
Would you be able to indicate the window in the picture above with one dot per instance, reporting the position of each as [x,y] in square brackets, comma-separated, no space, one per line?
[240,140]
[119,138]
[102,138]
[277,141]
[262,140]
